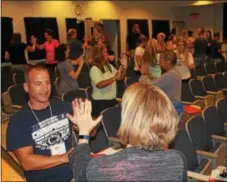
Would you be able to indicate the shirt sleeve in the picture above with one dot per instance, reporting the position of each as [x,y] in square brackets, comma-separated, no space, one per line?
[96,75]
[69,67]
[162,81]
[17,136]
[79,159]
[57,43]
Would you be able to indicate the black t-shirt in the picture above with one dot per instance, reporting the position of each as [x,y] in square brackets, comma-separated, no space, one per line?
[76,49]
[132,40]
[200,46]
[24,130]
[16,52]
[214,49]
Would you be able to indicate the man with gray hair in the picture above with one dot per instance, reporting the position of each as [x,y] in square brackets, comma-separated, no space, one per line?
[170,81]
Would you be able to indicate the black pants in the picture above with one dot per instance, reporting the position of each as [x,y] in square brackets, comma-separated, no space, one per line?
[99,105]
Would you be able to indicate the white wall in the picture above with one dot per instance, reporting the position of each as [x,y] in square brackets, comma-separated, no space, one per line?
[210,17]
[122,10]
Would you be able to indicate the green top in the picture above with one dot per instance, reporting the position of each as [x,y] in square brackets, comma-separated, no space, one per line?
[97,76]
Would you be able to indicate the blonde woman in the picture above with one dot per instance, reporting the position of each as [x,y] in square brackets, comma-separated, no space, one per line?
[161,42]
[152,57]
[185,60]
[146,135]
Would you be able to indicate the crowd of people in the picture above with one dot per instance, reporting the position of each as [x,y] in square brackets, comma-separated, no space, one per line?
[40,134]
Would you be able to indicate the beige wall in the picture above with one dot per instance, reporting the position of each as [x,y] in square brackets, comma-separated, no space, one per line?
[122,10]
[210,17]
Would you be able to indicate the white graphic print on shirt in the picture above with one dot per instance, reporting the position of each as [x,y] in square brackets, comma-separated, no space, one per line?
[51,131]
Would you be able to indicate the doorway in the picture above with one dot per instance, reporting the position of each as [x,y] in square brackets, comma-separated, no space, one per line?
[178,25]
[112,30]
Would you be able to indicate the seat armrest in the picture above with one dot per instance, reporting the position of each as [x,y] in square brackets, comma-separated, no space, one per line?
[221,139]
[206,154]
[187,103]
[16,106]
[211,92]
[198,176]
[200,97]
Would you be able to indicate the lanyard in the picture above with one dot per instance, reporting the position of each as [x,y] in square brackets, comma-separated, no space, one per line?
[51,114]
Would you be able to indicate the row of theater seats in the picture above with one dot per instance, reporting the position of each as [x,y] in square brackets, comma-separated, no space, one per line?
[206,89]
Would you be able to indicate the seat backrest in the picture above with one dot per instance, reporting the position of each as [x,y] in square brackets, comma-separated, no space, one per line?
[183,143]
[220,81]
[198,131]
[85,68]
[197,87]
[209,83]
[70,96]
[120,88]
[19,77]
[84,80]
[6,72]
[18,95]
[112,120]
[210,68]
[220,66]
[131,80]
[100,141]
[221,104]
[200,70]
[89,92]
[214,121]
[186,94]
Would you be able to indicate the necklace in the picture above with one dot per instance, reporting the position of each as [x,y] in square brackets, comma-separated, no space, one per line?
[51,114]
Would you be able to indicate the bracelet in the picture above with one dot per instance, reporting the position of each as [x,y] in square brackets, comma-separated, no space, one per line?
[86,137]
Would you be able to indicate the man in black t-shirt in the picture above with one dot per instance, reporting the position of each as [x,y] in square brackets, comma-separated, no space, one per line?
[133,37]
[200,48]
[216,52]
[40,134]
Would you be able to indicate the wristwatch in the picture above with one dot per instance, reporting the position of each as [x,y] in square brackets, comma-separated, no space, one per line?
[86,137]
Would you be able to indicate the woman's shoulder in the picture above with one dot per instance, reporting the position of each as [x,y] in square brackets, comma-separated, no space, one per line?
[141,154]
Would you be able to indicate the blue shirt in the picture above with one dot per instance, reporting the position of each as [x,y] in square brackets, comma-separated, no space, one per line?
[24,130]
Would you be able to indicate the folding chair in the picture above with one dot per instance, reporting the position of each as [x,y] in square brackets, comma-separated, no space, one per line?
[214,121]
[18,96]
[210,68]
[8,78]
[200,71]
[112,120]
[198,131]
[199,92]
[120,89]
[131,80]
[221,104]
[211,87]
[70,96]
[187,97]
[197,164]
[84,80]
[18,77]
[220,67]
[89,92]
[221,82]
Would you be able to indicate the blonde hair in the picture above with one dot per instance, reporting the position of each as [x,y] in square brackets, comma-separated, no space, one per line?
[186,52]
[70,32]
[149,119]
[151,52]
